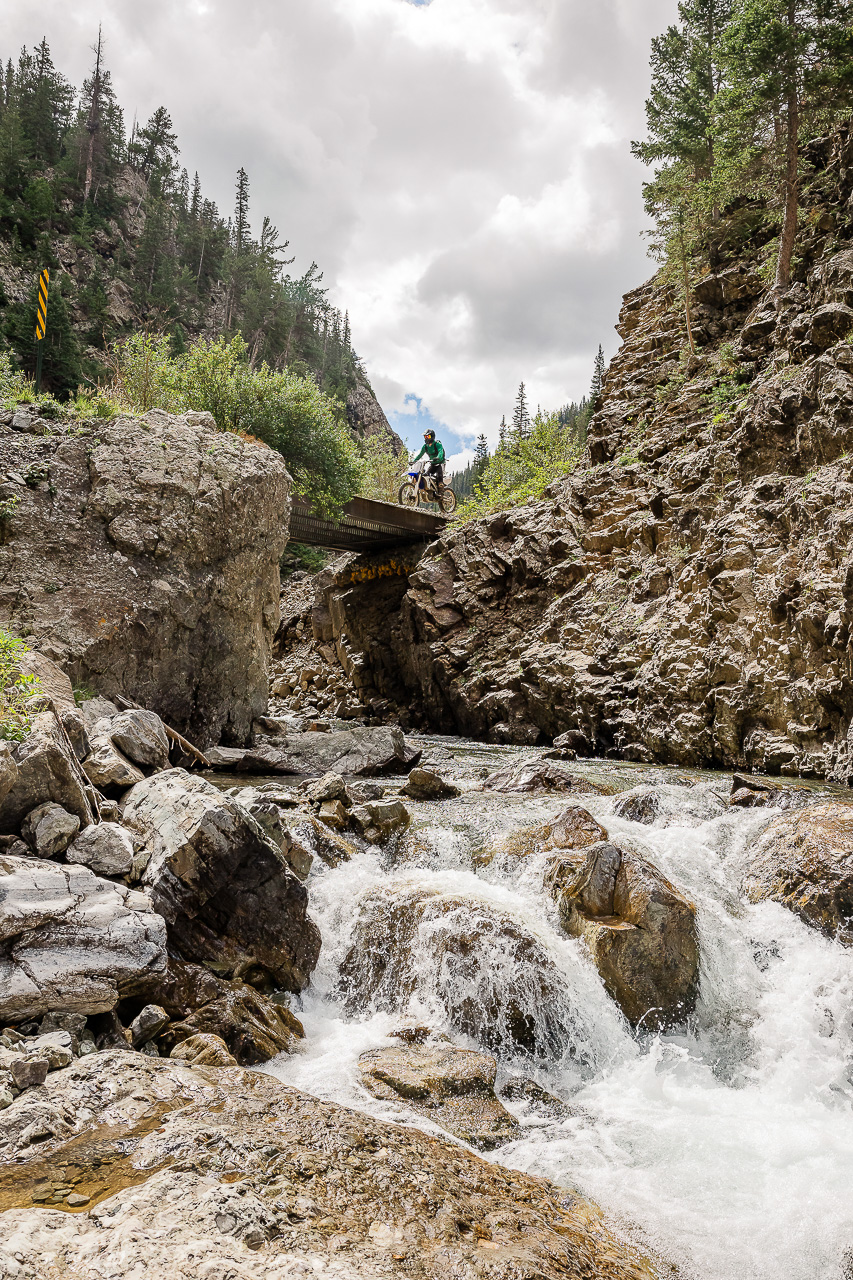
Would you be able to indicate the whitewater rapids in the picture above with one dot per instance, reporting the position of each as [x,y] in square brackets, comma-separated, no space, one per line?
[727,1146]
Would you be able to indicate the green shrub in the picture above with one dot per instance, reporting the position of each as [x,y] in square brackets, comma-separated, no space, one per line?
[381,469]
[287,412]
[13,384]
[523,468]
[15,689]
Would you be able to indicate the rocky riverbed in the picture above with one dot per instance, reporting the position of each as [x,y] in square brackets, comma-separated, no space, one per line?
[416,1006]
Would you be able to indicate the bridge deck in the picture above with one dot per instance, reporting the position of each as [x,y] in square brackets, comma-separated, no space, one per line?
[366,525]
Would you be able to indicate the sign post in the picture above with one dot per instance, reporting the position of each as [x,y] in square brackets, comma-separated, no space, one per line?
[41,323]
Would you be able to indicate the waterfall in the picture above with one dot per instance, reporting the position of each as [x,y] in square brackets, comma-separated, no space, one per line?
[727,1144]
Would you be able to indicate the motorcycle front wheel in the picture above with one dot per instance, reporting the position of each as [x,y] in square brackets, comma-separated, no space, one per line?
[447,500]
[408,494]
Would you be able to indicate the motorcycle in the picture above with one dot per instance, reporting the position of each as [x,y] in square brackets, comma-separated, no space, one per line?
[418,487]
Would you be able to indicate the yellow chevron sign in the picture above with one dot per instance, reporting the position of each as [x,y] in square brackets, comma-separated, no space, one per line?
[41,317]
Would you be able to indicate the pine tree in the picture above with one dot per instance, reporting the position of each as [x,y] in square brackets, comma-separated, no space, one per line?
[503,431]
[156,149]
[788,61]
[521,415]
[599,369]
[481,453]
[241,211]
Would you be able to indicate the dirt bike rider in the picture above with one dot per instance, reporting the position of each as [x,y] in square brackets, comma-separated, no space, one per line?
[434,451]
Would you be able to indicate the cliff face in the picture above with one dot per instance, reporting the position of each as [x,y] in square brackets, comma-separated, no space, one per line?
[687,595]
[142,555]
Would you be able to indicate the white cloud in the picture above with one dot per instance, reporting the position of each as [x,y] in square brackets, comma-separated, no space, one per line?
[459,169]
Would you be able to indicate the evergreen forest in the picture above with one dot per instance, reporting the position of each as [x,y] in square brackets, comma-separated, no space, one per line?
[132,244]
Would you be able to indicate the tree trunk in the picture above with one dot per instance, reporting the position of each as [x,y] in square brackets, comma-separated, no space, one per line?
[790,183]
[686,275]
[93,124]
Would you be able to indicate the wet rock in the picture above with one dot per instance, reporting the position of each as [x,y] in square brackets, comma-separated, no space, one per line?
[488,977]
[203,1050]
[536,775]
[455,1088]
[140,736]
[333,814]
[253,1027]
[49,829]
[574,828]
[378,820]
[108,770]
[70,941]
[642,804]
[805,861]
[308,1173]
[275,821]
[46,770]
[147,1024]
[314,838]
[520,1089]
[106,848]
[181,988]
[225,889]
[330,787]
[640,930]
[748,793]
[424,784]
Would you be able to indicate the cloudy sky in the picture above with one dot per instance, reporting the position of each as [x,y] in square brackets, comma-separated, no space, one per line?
[458,168]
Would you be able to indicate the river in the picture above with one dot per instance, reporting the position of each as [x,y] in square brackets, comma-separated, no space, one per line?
[727,1145]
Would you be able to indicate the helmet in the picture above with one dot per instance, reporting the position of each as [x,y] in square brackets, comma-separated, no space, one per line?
[429,435]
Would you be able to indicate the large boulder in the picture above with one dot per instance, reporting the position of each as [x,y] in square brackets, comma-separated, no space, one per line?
[140,736]
[160,537]
[71,942]
[253,1027]
[230,899]
[453,1087]
[106,848]
[45,768]
[538,774]
[359,751]
[467,964]
[805,861]
[49,829]
[641,931]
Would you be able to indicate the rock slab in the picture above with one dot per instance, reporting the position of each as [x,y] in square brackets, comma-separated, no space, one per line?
[70,941]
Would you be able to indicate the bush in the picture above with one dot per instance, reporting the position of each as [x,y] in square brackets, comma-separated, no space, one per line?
[287,412]
[13,384]
[381,469]
[523,468]
[15,689]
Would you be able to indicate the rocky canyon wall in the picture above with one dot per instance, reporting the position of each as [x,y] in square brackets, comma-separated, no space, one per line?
[686,595]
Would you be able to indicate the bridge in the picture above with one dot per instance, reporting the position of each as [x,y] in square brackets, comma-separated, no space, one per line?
[365,525]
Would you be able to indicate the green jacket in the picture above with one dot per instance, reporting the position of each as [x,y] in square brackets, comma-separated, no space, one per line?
[435,452]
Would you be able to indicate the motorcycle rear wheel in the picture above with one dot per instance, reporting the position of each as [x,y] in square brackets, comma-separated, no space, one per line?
[408,494]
